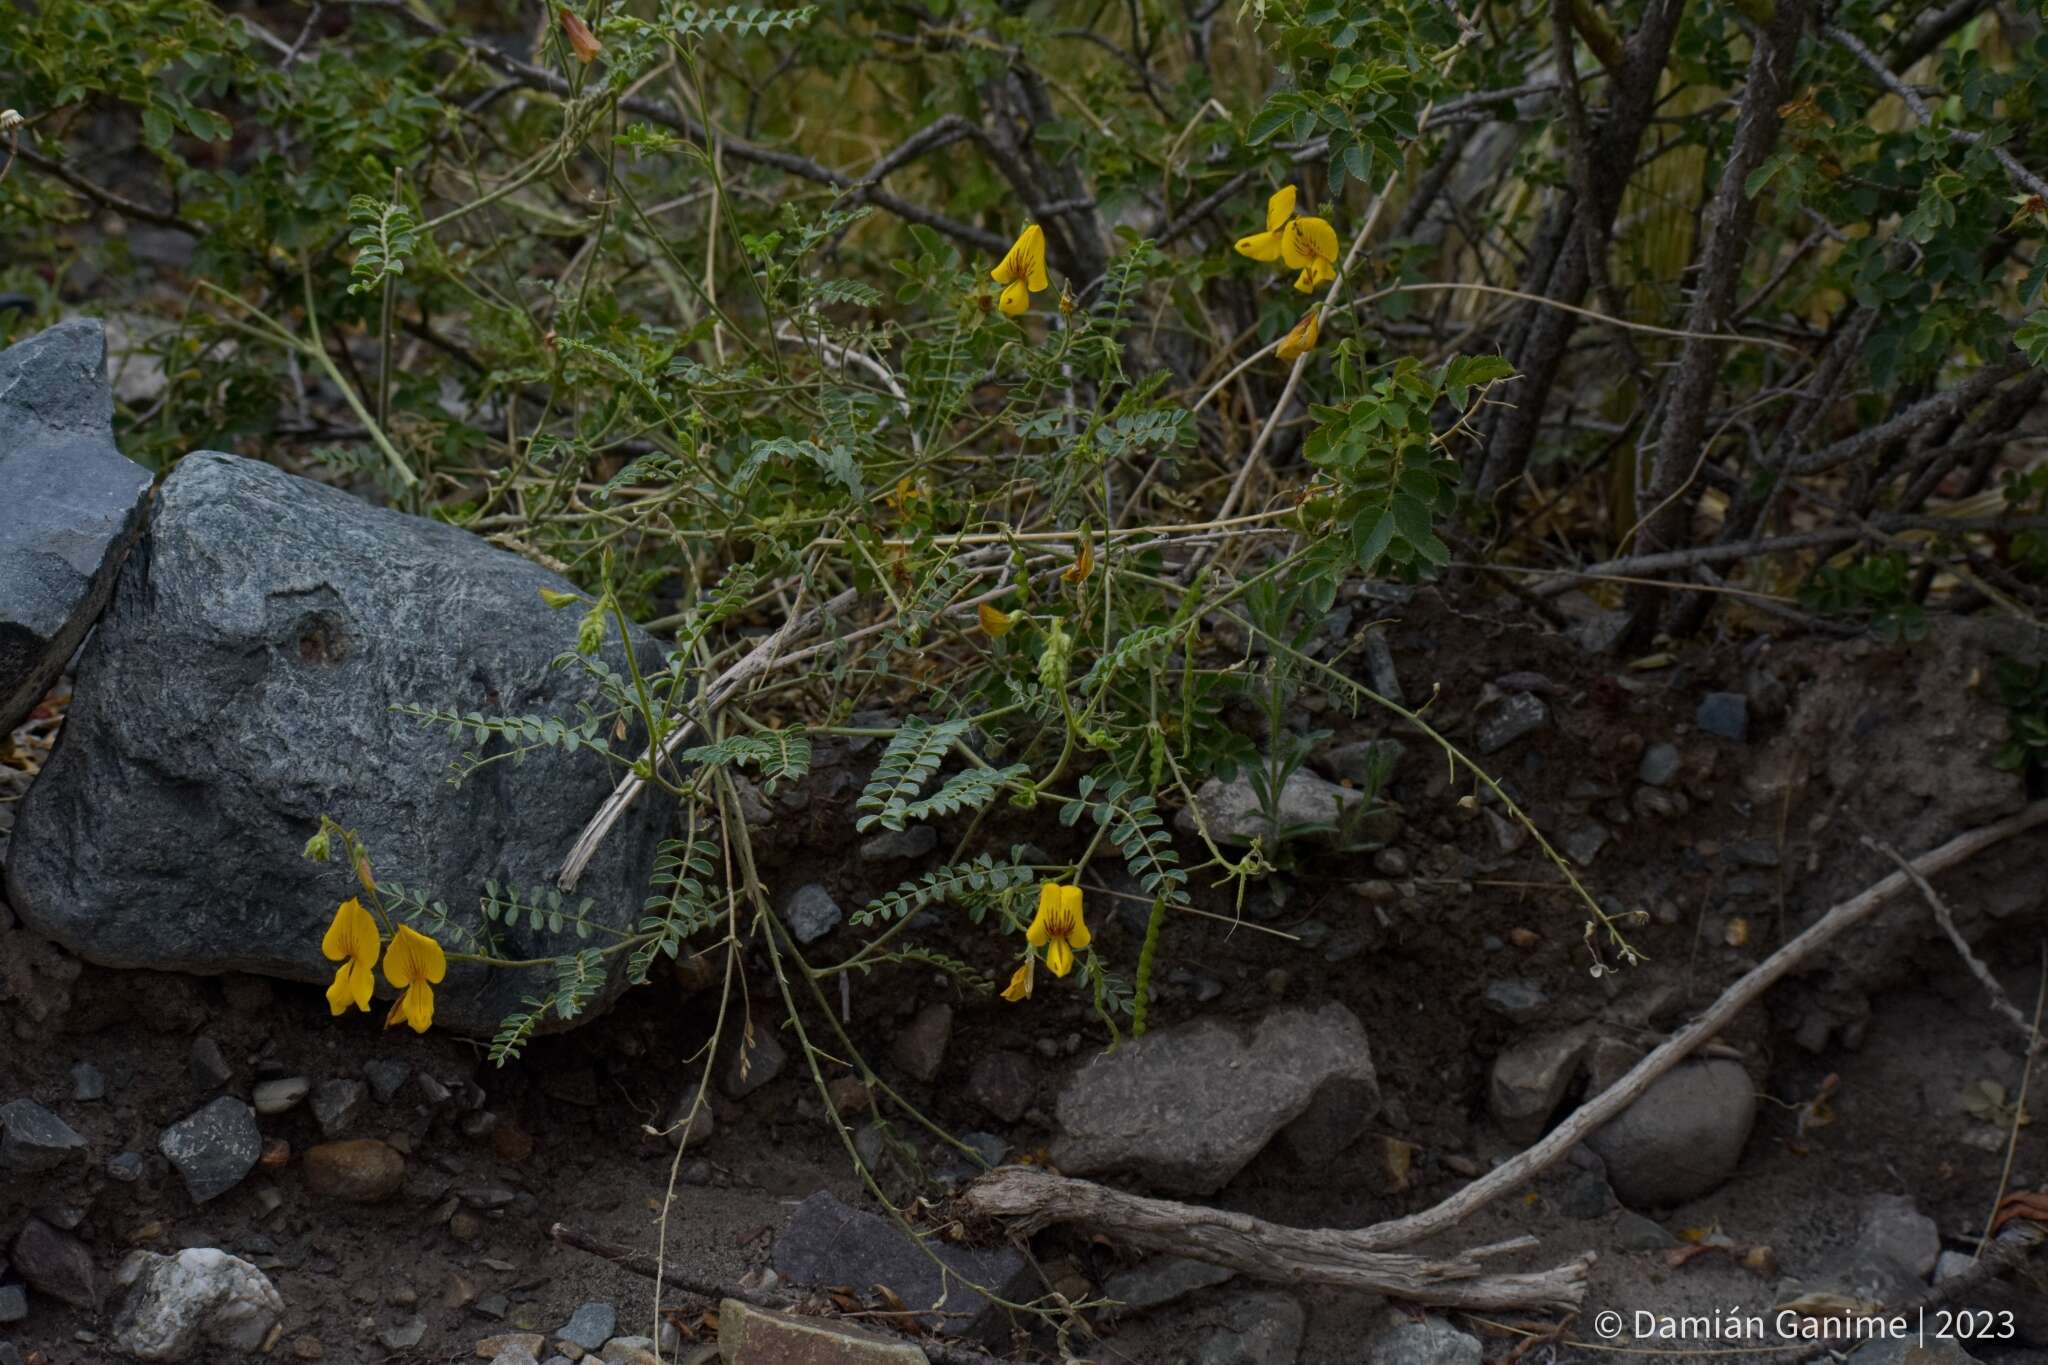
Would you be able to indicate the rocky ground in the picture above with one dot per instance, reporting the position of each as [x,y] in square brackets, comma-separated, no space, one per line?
[200,1163]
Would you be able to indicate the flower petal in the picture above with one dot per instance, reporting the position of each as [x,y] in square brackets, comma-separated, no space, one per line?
[1016,299]
[1032,243]
[1020,983]
[1307,240]
[1280,207]
[413,957]
[1302,339]
[415,1007]
[1059,957]
[1040,932]
[1260,246]
[352,936]
[352,985]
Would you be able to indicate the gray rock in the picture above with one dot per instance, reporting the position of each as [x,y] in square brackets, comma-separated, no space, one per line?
[1633,1232]
[1510,718]
[245,681]
[1893,1229]
[1362,763]
[13,1303]
[919,1050]
[210,1070]
[1583,844]
[199,1297]
[126,1167]
[1161,1280]
[1398,1339]
[1660,764]
[87,1084]
[70,505]
[1724,714]
[55,1263]
[514,1354]
[213,1148]
[1529,1079]
[34,1139]
[1379,667]
[1508,835]
[386,1076]
[590,1326]
[752,1062]
[827,1243]
[275,1097]
[1262,1328]
[1234,816]
[338,1104]
[1187,1107]
[811,913]
[1681,1137]
[912,842]
[1517,997]
[1003,1084]
[405,1335]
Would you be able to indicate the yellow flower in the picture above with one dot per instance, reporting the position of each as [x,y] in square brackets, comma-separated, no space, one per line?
[1302,339]
[1022,272]
[1058,927]
[1265,246]
[414,963]
[1020,983]
[352,941]
[995,622]
[1310,246]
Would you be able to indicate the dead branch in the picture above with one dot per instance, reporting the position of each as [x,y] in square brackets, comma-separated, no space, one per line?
[1302,1255]
[1354,1258]
[780,1300]
[1947,920]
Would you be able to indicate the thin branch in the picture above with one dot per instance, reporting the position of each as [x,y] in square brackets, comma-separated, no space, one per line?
[1947,920]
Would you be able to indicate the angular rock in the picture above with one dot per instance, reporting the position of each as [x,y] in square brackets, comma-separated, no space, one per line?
[912,842]
[359,1170]
[1401,1339]
[517,1353]
[199,1297]
[1185,1108]
[210,1069]
[338,1104]
[70,505]
[755,1336]
[248,678]
[1003,1084]
[1509,719]
[13,1303]
[1234,816]
[1530,1078]
[590,1326]
[827,1243]
[811,913]
[1724,714]
[87,1083]
[214,1147]
[387,1076]
[1519,998]
[1363,762]
[919,1050]
[1681,1137]
[1659,765]
[1161,1280]
[55,1263]
[751,1064]
[629,1351]
[34,1139]
[1261,1328]
[530,1342]
[1897,1231]
[275,1097]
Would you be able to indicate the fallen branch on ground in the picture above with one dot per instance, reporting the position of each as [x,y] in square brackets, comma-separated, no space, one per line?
[1306,1255]
[780,1300]
[1325,1256]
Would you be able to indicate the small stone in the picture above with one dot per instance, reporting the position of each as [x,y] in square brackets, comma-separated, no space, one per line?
[919,1050]
[756,1336]
[811,913]
[386,1077]
[516,1353]
[1898,1232]
[1367,764]
[754,1062]
[34,1139]
[1583,844]
[1161,1280]
[629,1351]
[1398,1338]
[87,1084]
[1390,862]
[529,1342]
[1517,997]
[125,1167]
[1633,1232]
[436,1093]
[1512,717]
[1753,853]
[55,1263]
[405,1335]
[494,1307]
[590,1326]
[210,1070]
[13,1303]
[1724,714]
[849,1095]
[1659,765]
[466,1228]
[358,1170]
[1681,1137]
[214,1148]
[1261,1328]
[1379,667]
[275,1097]
[1530,1078]
[702,1123]
[912,842]
[337,1105]
[1234,814]
[308,1348]
[201,1296]
[1003,1084]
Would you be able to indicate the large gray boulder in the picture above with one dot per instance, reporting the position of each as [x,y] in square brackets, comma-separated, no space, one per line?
[1186,1108]
[69,505]
[243,684]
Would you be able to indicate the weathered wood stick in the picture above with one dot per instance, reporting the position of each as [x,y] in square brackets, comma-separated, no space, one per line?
[1302,1255]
